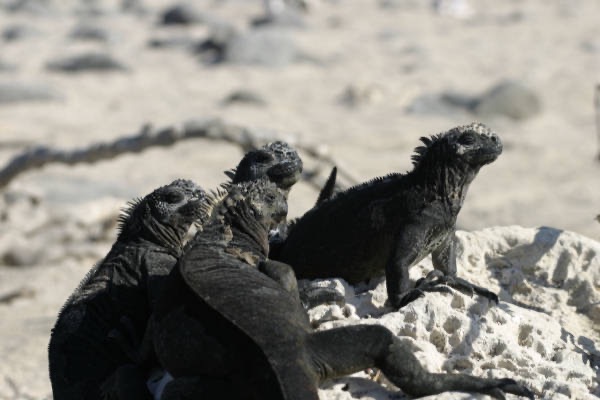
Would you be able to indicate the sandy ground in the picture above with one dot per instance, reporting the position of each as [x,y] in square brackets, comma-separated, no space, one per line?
[394,51]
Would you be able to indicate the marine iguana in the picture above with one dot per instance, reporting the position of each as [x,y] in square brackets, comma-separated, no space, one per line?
[226,328]
[81,352]
[392,222]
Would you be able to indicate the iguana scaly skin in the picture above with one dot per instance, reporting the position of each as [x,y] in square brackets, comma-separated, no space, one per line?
[276,161]
[391,223]
[124,284]
[230,325]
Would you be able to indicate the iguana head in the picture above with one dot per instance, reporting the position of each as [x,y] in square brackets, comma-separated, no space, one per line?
[472,145]
[165,215]
[256,203]
[277,161]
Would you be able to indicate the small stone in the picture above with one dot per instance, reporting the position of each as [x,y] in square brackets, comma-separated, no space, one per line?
[266,47]
[6,67]
[591,46]
[244,96]
[98,62]
[359,95]
[134,7]
[37,7]
[20,93]
[510,99]
[171,42]
[440,104]
[17,32]
[284,19]
[181,14]
[89,33]
[20,254]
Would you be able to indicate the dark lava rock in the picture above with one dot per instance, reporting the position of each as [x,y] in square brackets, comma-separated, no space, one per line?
[18,93]
[508,98]
[89,33]
[181,14]
[98,62]
[244,96]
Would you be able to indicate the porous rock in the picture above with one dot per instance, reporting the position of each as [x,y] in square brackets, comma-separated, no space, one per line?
[536,336]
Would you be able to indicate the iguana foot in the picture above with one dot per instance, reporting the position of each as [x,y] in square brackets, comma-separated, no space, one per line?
[435,278]
[413,294]
[469,288]
[507,385]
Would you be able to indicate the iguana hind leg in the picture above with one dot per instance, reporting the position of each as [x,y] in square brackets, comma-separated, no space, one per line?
[341,351]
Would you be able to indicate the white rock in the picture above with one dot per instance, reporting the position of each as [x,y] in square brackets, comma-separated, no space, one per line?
[541,334]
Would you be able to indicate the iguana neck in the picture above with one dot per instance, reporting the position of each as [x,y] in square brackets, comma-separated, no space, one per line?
[161,235]
[448,184]
[247,232]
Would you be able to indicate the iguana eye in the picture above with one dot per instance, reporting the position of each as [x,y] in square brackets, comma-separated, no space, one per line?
[174,197]
[467,139]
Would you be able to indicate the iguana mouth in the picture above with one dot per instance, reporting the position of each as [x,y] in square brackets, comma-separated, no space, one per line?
[486,156]
[285,174]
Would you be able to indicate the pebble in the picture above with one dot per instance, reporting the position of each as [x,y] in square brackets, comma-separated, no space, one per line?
[181,14]
[266,47]
[23,92]
[86,62]
[508,98]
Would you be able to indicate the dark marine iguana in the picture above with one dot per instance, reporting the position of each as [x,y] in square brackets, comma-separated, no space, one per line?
[391,223]
[226,328]
[125,283]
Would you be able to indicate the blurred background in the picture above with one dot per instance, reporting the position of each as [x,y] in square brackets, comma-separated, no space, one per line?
[359,80]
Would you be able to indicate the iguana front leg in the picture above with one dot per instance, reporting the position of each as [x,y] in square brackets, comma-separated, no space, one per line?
[408,250]
[281,273]
[444,260]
